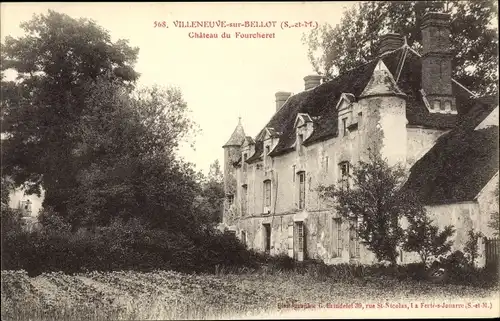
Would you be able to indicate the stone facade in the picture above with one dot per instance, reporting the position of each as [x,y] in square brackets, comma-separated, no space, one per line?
[272,200]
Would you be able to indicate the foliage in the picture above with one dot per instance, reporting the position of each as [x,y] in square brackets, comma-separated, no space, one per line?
[210,201]
[471,248]
[54,61]
[474,37]
[494,222]
[126,158]
[6,188]
[129,245]
[377,203]
[425,238]
[75,126]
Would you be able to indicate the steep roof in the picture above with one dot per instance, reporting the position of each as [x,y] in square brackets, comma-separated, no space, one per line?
[457,167]
[237,137]
[320,101]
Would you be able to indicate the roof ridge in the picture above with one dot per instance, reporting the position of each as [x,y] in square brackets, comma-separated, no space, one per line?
[466,89]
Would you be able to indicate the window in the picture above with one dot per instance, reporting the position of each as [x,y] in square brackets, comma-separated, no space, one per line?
[300,236]
[293,173]
[353,238]
[344,174]
[25,206]
[244,162]
[244,196]
[337,238]
[268,150]
[230,199]
[302,190]
[326,163]
[300,140]
[344,126]
[244,237]
[267,238]
[360,119]
[436,104]
[267,193]
[452,107]
[299,248]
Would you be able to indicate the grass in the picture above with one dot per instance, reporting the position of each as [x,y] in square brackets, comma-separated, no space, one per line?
[170,295]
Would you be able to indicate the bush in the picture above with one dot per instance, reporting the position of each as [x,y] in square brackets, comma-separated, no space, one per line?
[461,270]
[122,246]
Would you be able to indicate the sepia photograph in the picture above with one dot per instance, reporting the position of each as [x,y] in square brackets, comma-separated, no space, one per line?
[249,160]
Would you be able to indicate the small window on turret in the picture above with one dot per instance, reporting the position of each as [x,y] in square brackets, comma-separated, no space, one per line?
[244,162]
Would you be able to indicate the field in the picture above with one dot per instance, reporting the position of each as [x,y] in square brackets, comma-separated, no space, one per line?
[172,295]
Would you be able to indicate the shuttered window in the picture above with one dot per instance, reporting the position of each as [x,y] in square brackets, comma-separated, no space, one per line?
[267,193]
[337,237]
[302,190]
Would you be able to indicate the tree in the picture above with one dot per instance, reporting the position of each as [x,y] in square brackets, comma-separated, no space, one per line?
[211,199]
[125,151]
[494,222]
[471,248]
[425,238]
[377,202]
[474,37]
[55,61]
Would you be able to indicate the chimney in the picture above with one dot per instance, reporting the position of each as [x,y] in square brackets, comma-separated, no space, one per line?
[281,97]
[436,61]
[390,42]
[312,81]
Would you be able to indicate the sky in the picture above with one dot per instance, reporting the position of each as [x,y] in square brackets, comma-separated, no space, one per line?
[221,79]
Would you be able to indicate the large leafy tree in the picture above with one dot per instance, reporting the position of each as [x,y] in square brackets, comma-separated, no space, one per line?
[54,61]
[75,124]
[126,155]
[474,37]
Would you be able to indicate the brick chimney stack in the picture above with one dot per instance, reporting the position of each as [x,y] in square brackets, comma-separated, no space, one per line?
[436,61]
[281,98]
[390,42]
[312,81]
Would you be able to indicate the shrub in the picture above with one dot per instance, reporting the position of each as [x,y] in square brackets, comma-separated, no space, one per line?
[122,246]
[472,247]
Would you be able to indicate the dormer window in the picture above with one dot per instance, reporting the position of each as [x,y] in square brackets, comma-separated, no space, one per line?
[344,126]
[268,150]
[436,105]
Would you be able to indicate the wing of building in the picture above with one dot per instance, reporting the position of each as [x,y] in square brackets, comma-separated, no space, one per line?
[403,104]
